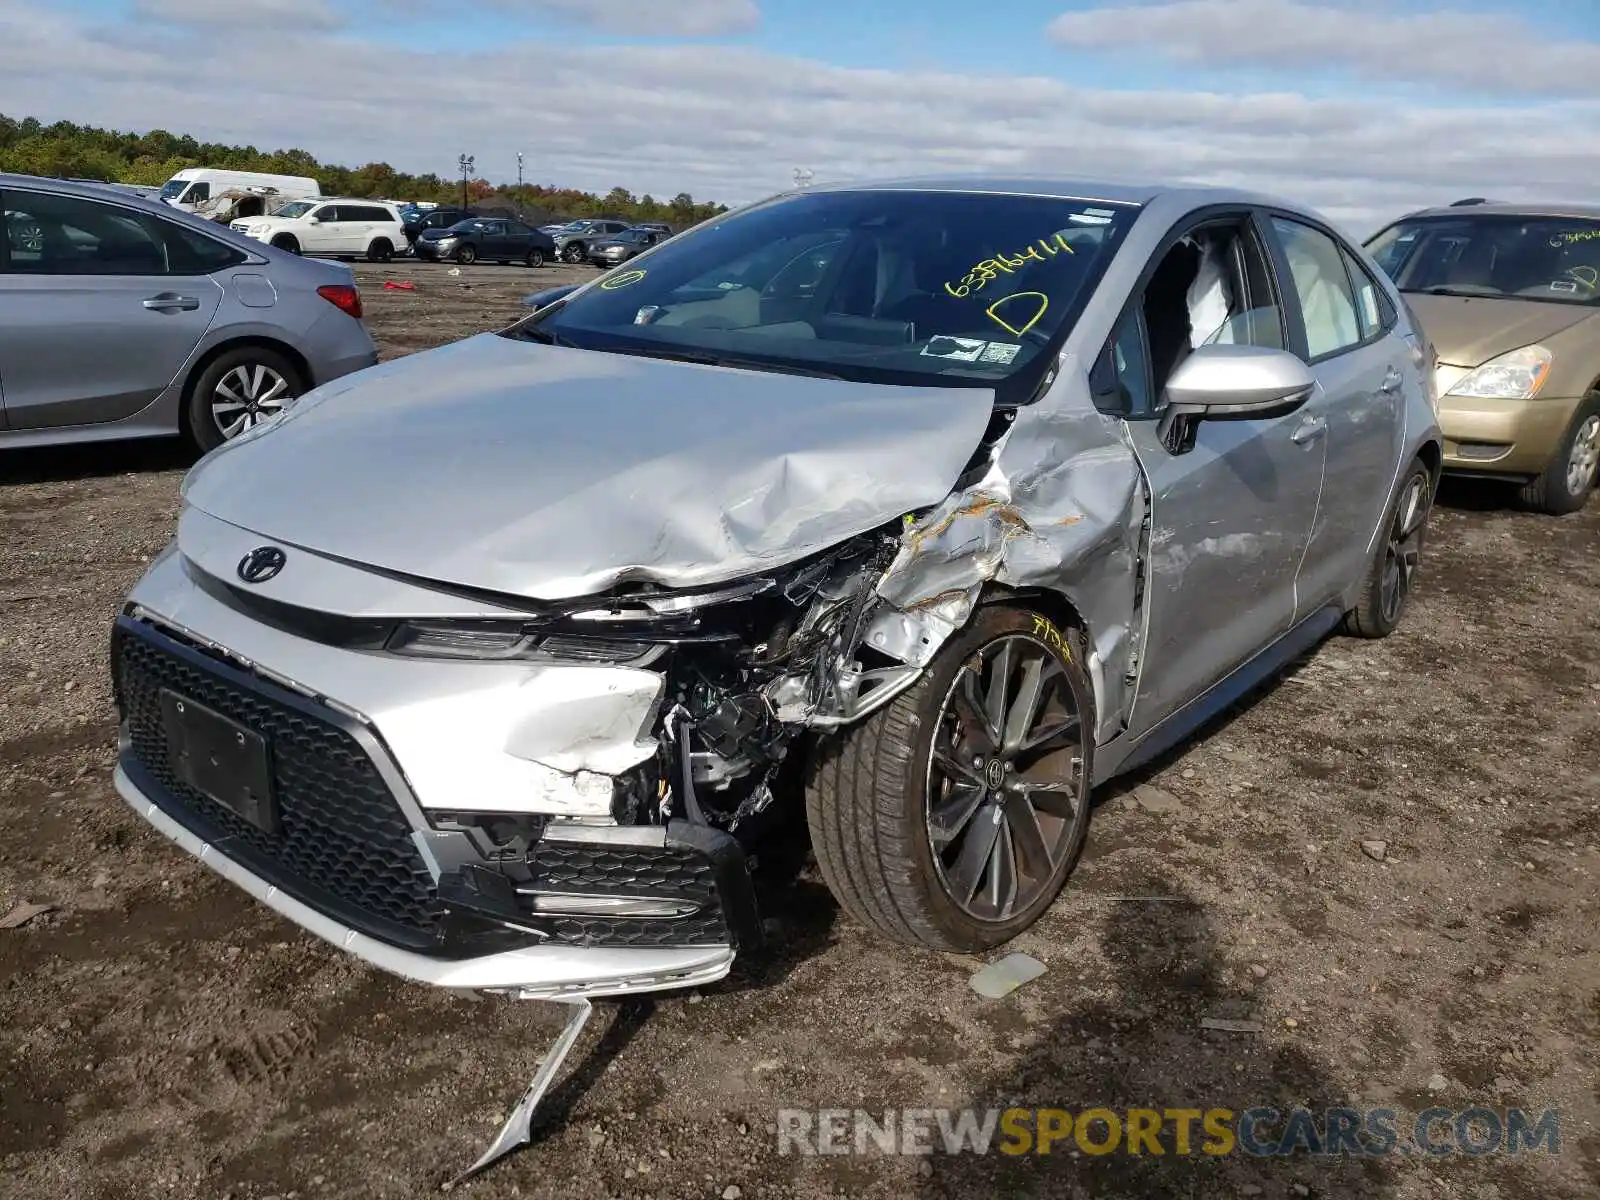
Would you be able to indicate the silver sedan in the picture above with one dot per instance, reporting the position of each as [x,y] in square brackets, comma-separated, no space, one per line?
[908,513]
[122,318]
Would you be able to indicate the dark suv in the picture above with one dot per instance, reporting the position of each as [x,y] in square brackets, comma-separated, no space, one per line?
[414,221]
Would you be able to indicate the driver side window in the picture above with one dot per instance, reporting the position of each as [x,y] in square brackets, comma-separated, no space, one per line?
[1213,286]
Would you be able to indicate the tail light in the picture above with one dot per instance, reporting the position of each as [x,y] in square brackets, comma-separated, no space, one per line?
[343,296]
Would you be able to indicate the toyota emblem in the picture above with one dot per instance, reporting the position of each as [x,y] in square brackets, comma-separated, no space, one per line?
[261,564]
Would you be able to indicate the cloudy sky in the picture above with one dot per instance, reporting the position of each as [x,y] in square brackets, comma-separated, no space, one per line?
[1362,107]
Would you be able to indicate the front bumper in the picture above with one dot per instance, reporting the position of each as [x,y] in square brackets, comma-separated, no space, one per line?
[431,251]
[354,859]
[1502,437]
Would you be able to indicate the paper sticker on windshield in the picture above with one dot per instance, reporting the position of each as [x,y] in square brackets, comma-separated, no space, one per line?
[960,349]
[999,352]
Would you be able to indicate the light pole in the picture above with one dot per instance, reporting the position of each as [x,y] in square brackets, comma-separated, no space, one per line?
[802,177]
[519,168]
[465,163]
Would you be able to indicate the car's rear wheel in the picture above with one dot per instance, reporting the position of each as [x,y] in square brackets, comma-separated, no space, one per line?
[1570,477]
[287,241]
[381,250]
[952,817]
[1392,570]
[573,253]
[238,390]
[467,255]
[535,258]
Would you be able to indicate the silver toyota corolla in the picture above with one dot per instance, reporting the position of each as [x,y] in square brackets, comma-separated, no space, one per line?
[121,318]
[916,508]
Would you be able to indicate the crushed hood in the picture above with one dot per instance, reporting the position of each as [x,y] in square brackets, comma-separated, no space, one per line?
[548,472]
[1469,331]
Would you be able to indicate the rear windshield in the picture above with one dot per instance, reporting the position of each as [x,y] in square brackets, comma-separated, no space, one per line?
[1555,259]
[946,288]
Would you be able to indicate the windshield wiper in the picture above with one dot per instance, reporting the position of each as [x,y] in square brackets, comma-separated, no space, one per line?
[718,360]
[547,337]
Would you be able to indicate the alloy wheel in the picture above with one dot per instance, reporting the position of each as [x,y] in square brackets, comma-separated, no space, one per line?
[1005,778]
[1403,550]
[1585,455]
[246,396]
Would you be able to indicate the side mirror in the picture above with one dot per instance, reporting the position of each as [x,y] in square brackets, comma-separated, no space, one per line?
[1232,383]
[549,295]
[313,220]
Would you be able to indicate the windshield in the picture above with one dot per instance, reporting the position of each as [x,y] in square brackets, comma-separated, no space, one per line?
[295,208]
[1556,259]
[946,288]
[173,188]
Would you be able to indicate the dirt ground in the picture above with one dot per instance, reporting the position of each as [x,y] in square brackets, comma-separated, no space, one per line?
[161,1034]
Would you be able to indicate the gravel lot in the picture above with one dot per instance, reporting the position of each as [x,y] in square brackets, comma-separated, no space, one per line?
[163,1035]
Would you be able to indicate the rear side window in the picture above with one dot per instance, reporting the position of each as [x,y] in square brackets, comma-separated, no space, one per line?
[192,253]
[366,212]
[1373,309]
[68,235]
[1317,270]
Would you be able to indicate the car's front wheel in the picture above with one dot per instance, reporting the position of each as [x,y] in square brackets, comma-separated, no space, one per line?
[952,817]
[1392,569]
[287,241]
[1570,476]
[467,255]
[237,390]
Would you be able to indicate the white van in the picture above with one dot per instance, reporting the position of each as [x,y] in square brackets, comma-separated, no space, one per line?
[197,186]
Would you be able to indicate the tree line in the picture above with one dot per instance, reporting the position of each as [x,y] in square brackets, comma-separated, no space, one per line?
[64,150]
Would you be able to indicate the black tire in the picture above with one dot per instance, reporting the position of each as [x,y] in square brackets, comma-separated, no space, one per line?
[1554,492]
[381,250]
[200,424]
[1391,572]
[467,255]
[287,241]
[574,253]
[535,258]
[867,798]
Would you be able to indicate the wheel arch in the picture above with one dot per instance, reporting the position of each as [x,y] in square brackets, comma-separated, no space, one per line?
[1066,616]
[198,368]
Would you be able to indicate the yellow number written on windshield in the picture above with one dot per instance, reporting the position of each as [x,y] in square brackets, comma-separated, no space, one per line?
[990,269]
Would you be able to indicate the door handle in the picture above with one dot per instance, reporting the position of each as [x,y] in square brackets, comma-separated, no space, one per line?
[1309,431]
[1391,381]
[171,303]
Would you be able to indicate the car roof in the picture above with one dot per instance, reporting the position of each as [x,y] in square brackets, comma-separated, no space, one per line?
[1067,187]
[1586,212]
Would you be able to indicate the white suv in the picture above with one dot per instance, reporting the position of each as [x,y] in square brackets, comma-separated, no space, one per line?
[336,227]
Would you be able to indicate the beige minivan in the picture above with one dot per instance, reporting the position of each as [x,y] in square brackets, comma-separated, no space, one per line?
[1510,297]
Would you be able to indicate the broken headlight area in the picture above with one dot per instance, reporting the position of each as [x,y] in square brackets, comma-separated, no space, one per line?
[747,669]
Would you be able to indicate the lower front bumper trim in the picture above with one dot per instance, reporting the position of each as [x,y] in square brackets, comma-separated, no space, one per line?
[533,972]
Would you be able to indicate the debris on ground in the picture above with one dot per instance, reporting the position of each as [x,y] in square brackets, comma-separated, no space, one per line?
[1153,799]
[1375,849]
[23,913]
[1005,976]
[389,285]
[1230,1025]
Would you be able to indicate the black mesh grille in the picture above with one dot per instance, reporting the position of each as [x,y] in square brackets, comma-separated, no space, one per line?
[653,872]
[343,845]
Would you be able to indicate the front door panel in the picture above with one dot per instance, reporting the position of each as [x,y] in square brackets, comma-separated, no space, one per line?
[1230,521]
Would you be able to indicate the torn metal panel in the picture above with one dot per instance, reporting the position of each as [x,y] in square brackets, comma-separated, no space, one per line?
[1060,508]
